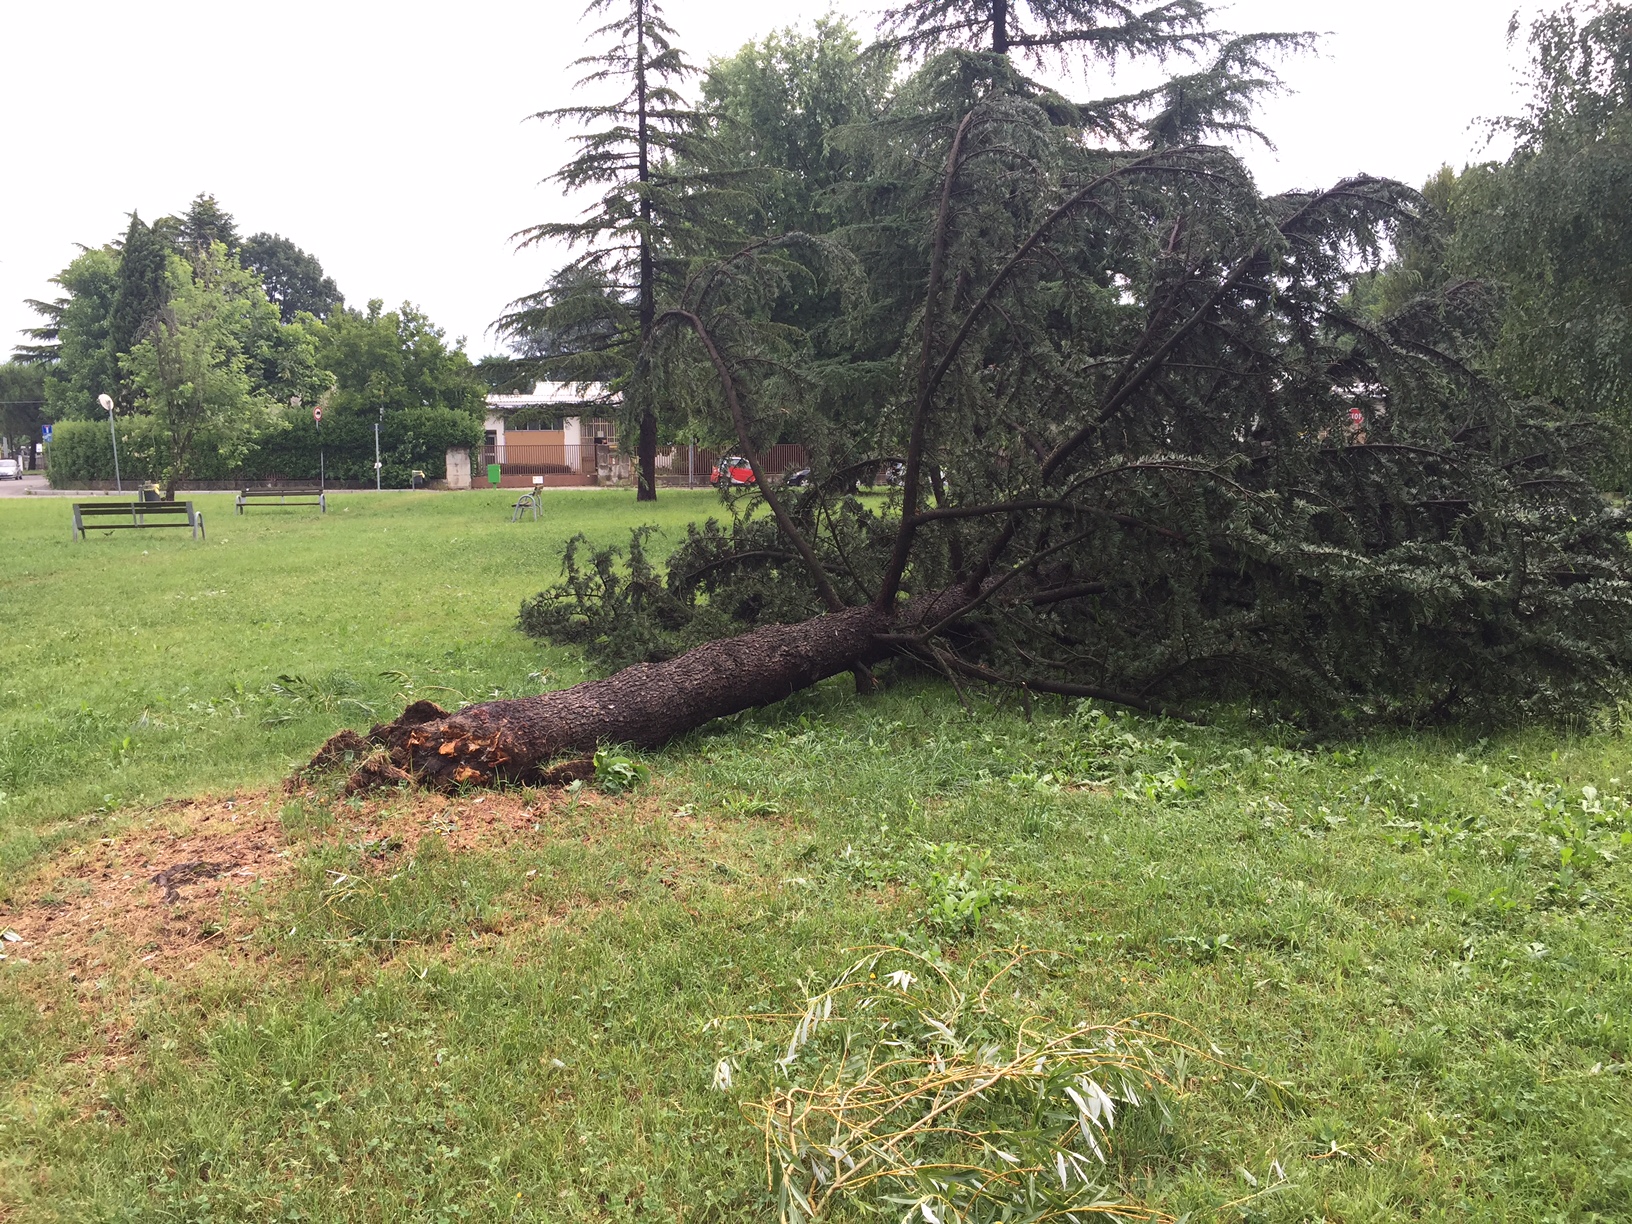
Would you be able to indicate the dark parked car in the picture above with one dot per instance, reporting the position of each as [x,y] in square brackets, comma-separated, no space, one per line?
[797,479]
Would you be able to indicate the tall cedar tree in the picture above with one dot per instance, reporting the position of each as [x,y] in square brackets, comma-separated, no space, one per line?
[1075,35]
[631,237]
[1152,454]
[203,224]
[143,291]
[1049,29]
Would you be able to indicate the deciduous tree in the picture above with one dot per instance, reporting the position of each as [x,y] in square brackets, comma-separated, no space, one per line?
[1552,225]
[189,370]
[294,280]
[22,407]
[774,108]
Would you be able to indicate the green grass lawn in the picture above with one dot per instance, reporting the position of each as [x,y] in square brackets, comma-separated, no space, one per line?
[139,664]
[1425,937]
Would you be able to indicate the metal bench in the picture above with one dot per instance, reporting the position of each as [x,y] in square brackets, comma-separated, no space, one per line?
[285,497]
[529,501]
[136,514]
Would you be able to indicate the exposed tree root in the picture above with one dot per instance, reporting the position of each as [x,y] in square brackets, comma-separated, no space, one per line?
[549,738]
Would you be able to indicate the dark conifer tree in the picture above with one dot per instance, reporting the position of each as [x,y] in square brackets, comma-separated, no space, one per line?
[1041,29]
[632,240]
[1217,97]
[142,293]
[1151,453]
[204,222]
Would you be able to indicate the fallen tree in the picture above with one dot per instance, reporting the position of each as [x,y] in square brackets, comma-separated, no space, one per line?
[1151,452]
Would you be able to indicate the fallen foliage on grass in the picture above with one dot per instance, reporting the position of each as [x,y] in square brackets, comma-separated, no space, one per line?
[912,1089]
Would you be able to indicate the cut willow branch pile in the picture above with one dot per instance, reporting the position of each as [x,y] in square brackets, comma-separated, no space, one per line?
[935,1095]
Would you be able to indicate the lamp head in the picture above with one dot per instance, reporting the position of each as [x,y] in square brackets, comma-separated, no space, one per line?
[106,401]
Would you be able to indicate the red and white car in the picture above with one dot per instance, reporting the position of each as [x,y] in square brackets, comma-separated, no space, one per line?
[731,470]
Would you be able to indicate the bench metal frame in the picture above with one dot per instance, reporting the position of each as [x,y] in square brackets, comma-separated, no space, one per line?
[524,503]
[318,498]
[138,513]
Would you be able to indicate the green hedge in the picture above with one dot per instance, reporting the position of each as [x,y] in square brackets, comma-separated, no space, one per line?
[80,451]
[414,438]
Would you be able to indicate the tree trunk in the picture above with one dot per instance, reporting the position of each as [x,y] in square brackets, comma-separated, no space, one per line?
[646,474]
[645,705]
[646,451]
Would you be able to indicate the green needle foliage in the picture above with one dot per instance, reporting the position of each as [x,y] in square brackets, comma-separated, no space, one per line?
[1150,449]
[143,291]
[589,323]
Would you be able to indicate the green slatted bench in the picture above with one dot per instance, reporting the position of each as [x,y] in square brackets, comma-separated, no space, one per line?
[114,516]
[285,497]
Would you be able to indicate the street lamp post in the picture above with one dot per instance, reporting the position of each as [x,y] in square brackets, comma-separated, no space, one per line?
[377,449]
[317,424]
[107,402]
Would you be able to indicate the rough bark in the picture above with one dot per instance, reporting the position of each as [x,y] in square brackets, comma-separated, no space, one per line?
[523,739]
[646,448]
[646,456]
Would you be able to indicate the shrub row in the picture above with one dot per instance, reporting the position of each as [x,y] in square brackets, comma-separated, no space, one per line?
[81,452]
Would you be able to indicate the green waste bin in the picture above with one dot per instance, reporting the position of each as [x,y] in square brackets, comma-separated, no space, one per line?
[493,474]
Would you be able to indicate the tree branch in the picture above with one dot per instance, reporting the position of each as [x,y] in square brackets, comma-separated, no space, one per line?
[824,585]
[902,552]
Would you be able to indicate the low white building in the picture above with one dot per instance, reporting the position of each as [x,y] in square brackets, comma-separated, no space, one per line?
[557,431]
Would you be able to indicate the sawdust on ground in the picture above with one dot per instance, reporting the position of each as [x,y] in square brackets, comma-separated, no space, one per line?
[187,878]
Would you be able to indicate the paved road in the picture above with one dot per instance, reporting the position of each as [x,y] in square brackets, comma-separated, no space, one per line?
[32,484]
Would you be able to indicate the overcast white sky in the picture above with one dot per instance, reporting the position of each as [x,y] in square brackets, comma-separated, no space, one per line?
[390,139]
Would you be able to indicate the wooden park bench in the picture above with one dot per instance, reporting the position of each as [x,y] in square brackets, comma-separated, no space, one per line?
[136,514]
[285,497]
